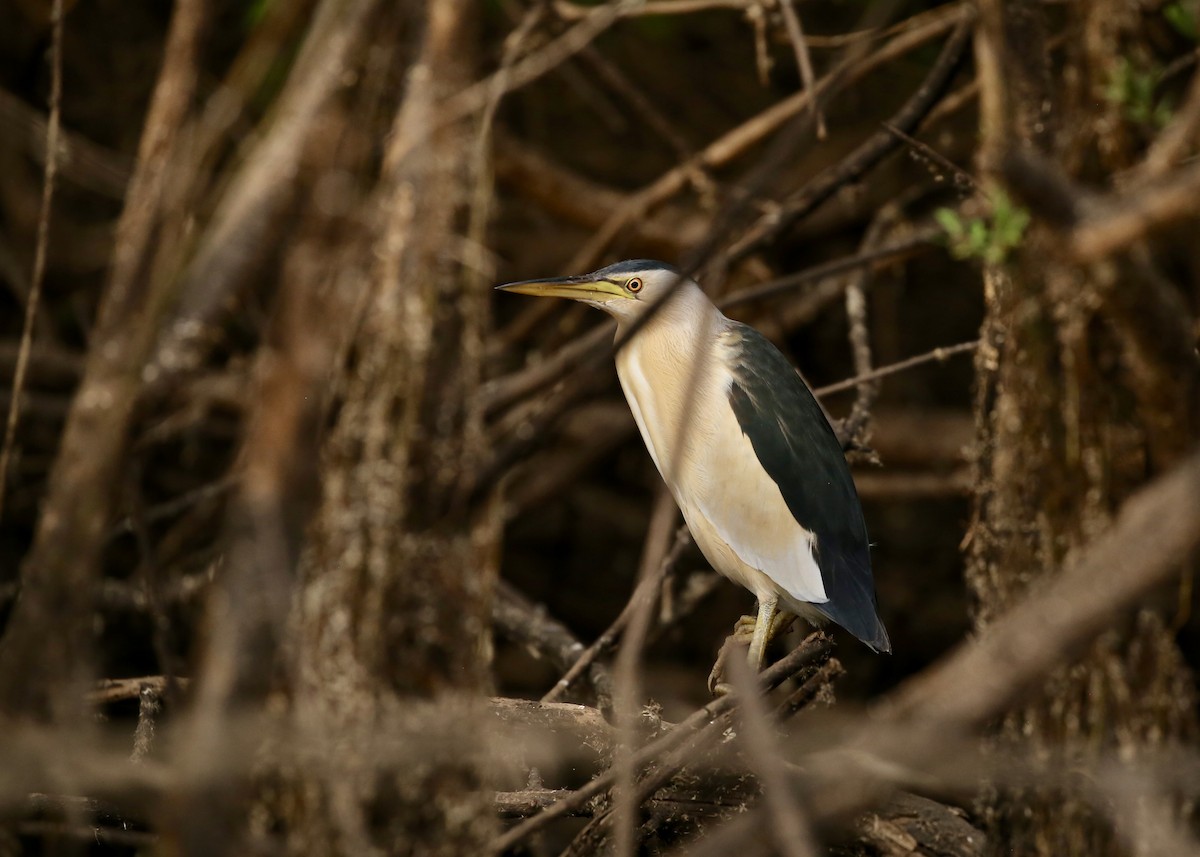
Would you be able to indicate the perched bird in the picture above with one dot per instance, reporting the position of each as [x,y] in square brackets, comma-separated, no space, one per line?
[742,445]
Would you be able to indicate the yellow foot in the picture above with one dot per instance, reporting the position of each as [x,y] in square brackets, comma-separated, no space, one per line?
[743,635]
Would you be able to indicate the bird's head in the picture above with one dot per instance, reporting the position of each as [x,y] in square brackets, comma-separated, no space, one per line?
[624,290]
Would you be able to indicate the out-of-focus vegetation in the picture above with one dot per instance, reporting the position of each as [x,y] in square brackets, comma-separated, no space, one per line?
[295,508]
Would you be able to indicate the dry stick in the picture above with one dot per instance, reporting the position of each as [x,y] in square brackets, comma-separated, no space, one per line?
[591,839]
[645,591]
[43,239]
[60,569]
[855,424]
[571,11]
[628,688]
[735,143]
[1124,218]
[112,690]
[482,194]
[869,153]
[791,22]
[520,621]
[1153,534]
[811,649]
[938,355]
[810,688]
[792,834]
[82,162]
[257,193]
[961,176]
[656,120]
[258,60]
[527,802]
[149,705]
[477,95]
[922,239]
[1173,141]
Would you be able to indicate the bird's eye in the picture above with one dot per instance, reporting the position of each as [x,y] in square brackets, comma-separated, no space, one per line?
[634,285]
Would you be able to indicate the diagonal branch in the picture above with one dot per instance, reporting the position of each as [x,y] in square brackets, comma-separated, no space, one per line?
[916,727]
[868,154]
[59,572]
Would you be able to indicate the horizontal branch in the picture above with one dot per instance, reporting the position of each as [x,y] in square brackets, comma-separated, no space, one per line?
[814,648]
[937,355]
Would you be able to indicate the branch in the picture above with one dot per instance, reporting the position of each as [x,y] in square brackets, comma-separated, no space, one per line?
[809,303]
[520,621]
[258,192]
[49,174]
[917,727]
[737,142]
[648,588]
[869,153]
[58,574]
[1125,218]
[1097,225]
[812,649]
[937,355]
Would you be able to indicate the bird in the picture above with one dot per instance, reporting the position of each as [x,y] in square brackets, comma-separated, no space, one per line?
[744,447]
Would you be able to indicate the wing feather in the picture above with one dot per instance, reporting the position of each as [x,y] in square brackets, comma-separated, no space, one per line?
[797,447]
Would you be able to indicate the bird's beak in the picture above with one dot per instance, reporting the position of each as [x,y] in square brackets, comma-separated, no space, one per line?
[585,288]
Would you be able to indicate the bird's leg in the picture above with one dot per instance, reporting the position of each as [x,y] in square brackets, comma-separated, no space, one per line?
[757,631]
[764,630]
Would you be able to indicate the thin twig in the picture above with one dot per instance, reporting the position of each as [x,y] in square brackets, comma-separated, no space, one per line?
[855,426]
[791,21]
[752,132]
[792,834]
[49,172]
[626,673]
[647,589]
[1125,218]
[258,193]
[813,647]
[921,239]
[869,153]
[936,355]
[520,621]
[530,68]
[574,12]
[817,683]
[1173,141]
[962,178]
[149,704]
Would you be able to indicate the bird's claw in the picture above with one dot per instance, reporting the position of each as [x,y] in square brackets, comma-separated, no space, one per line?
[743,632]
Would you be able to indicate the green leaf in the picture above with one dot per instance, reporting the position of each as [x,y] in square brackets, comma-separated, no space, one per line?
[1183,18]
[950,221]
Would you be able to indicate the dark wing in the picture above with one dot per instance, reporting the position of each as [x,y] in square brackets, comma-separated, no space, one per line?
[796,445]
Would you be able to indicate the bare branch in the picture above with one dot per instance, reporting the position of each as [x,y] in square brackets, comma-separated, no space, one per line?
[43,237]
[937,355]
[813,648]
[869,153]
[59,572]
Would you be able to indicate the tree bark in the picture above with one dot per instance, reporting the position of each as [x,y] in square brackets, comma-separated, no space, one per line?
[392,633]
[1078,403]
